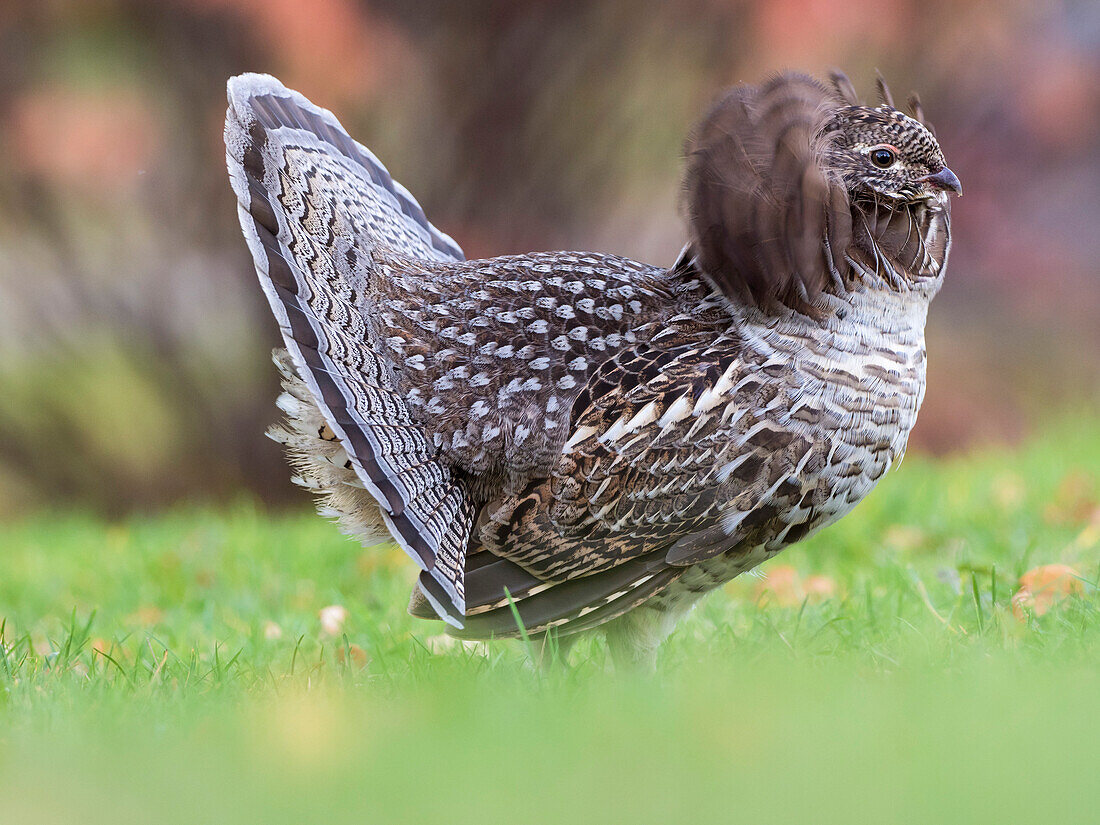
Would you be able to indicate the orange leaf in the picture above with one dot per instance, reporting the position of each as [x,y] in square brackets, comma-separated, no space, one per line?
[1043,587]
[358,655]
[781,587]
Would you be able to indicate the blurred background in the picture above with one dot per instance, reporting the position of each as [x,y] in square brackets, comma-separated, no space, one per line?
[134,340]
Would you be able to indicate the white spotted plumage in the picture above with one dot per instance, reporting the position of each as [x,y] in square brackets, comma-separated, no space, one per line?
[585,438]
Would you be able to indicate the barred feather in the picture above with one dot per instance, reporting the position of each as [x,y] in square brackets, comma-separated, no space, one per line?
[315,207]
[579,439]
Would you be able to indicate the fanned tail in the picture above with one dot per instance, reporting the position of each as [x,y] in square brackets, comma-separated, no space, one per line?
[316,209]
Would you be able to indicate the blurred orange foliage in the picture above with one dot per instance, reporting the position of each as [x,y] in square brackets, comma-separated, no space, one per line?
[337,50]
[97,142]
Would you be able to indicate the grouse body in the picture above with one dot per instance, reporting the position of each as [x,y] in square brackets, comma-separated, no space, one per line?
[580,439]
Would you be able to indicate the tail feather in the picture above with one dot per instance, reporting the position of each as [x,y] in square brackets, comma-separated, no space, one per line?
[321,463]
[566,606]
[316,209]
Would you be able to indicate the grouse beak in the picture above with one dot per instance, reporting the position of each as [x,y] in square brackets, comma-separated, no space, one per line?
[944,179]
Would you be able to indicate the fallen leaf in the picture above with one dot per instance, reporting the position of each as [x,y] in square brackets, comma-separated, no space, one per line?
[1043,587]
[358,655]
[780,587]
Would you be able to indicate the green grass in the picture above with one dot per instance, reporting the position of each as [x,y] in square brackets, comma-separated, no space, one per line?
[173,668]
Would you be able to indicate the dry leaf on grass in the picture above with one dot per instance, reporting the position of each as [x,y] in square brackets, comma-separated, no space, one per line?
[782,586]
[1043,587]
[358,656]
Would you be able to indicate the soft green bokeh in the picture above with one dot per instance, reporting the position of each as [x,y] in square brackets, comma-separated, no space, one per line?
[914,694]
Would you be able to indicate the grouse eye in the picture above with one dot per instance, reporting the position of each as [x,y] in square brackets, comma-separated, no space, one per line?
[883,158]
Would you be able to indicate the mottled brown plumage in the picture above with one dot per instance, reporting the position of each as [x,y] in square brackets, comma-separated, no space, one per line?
[581,438]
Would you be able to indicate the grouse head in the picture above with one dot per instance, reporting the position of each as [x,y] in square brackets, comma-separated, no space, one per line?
[795,188]
[882,152]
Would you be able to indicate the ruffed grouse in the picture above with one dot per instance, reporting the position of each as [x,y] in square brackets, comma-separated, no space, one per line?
[581,439]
